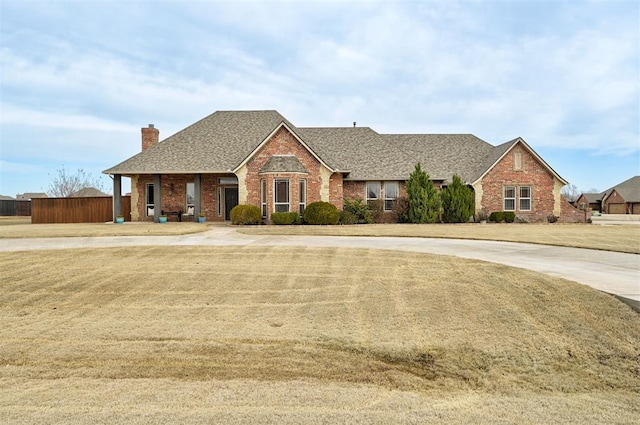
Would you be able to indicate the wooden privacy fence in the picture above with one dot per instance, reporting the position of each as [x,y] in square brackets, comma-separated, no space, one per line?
[11,207]
[77,210]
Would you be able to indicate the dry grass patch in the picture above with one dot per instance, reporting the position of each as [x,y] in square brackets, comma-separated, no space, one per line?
[620,238]
[259,334]
[17,229]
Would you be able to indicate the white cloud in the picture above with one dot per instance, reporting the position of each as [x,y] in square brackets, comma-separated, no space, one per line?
[558,74]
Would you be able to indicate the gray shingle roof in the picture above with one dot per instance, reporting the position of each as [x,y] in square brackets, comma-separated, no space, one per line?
[359,150]
[215,144]
[628,189]
[223,140]
[592,198]
[443,155]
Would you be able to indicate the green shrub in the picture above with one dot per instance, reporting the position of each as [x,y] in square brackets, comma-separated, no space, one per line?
[496,217]
[321,213]
[246,214]
[424,200]
[285,218]
[509,216]
[457,202]
[359,209]
[347,217]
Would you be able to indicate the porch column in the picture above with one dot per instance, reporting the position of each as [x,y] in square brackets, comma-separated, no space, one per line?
[157,197]
[197,196]
[117,196]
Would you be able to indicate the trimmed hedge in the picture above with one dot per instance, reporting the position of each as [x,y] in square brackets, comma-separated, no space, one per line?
[496,217]
[286,218]
[509,216]
[321,213]
[500,216]
[246,214]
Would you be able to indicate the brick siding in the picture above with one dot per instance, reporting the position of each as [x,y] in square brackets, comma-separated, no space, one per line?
[543,183]
[284,143]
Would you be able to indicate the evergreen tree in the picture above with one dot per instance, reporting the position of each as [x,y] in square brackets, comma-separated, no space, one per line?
[457,202]
[424,201]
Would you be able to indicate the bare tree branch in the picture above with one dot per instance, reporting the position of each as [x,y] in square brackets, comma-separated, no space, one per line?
[570,192]
[64,184]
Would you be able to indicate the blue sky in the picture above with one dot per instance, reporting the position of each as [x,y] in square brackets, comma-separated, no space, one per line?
[78,79]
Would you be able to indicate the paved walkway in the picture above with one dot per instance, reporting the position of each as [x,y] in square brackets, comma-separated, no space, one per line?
[611,272]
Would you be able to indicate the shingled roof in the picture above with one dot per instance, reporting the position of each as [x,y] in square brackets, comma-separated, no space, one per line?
[215,144]
[629,190]
[224,140]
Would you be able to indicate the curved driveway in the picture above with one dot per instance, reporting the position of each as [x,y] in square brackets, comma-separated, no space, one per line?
[611,272]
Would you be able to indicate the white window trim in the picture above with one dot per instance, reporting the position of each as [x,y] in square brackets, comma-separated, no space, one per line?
[505,198]
[263,197]
[186,195]
[275,193]
[366,191]
[146,199]
[302,195]
[520,198]
[388,198]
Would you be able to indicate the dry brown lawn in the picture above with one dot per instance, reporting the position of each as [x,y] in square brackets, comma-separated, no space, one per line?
[290,335]
[18,229]
[621,238]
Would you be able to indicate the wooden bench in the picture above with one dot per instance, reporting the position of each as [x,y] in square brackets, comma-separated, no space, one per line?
[168,213]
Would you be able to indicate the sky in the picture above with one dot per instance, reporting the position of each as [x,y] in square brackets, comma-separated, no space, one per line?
[78,79]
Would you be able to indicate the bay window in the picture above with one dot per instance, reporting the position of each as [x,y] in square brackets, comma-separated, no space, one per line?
[281,195]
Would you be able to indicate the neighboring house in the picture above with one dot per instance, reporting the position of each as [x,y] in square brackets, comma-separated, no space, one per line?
[6,198]
[88,192]
[29,196]
[623,198]
[589,201]
[260,158]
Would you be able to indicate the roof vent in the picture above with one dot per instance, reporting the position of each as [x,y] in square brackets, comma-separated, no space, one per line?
[354,123]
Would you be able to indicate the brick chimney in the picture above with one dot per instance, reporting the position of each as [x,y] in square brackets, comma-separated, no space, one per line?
[150,136]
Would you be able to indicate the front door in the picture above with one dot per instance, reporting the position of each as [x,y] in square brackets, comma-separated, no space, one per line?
[230,201]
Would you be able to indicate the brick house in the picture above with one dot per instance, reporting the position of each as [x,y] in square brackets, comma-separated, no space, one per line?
[590,202]
[623,198]
[260,158]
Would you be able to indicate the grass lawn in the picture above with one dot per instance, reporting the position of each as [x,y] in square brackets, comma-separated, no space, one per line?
[22,228]
[621,238]
[277,334]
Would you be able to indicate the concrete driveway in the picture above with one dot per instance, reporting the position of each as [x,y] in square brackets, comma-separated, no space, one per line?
[611,272]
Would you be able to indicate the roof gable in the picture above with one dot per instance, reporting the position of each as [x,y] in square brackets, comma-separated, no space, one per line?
[629,190]
[290,129]
[501,151]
